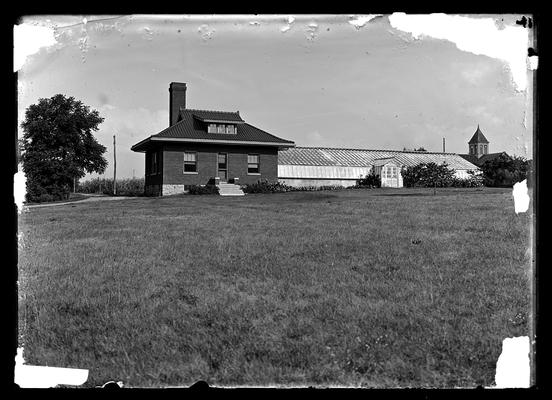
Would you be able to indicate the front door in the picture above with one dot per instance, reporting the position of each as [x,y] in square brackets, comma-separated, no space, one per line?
[392,176]
[222,166]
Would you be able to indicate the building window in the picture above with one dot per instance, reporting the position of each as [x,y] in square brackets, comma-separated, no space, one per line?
[253,164]
[154,163]
[221,128]
[485,149]
[190,161]
[480,149]
[389,172]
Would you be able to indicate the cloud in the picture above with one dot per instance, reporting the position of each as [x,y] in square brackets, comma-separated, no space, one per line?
[477,74]
[131,124]
[102,97]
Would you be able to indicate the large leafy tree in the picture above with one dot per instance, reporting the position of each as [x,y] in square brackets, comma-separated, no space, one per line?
[505,170]
[58,146]
[428,175]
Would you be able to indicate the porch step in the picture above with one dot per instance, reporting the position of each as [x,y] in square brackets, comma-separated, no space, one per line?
[230,189]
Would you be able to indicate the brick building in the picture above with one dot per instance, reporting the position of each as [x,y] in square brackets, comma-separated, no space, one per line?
[206,147]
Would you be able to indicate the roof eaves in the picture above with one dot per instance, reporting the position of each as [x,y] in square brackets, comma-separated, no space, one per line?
[141,143]
[232,142]
[270,134]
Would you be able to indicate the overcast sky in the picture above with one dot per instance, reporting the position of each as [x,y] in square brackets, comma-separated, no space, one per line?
[319,81]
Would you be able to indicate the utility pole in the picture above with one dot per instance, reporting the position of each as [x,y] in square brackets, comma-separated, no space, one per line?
[114,168]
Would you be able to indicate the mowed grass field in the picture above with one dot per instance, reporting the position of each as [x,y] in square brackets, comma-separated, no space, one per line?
[371,288]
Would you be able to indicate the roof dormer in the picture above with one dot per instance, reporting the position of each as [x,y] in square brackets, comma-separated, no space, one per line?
[216,127]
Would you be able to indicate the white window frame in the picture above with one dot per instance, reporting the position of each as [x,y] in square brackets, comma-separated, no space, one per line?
[187,161]
[258,163]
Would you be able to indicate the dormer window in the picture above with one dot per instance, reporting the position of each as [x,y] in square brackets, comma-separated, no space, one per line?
[221,128]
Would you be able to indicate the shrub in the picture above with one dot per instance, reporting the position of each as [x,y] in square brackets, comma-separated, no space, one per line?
[264,186]
[41,194]
[317,188]
[207,189]
[433,175]
[428,175]
[369,181]
[44,197]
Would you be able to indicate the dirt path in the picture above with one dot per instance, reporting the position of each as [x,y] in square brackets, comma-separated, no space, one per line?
[91,198]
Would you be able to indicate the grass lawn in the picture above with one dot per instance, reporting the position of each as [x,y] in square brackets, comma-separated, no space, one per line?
[377,288]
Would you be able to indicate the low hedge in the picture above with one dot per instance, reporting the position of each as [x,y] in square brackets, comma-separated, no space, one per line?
[278,187]
[266,187]
[207,189]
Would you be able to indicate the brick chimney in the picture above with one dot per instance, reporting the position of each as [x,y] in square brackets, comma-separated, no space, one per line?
[177,99]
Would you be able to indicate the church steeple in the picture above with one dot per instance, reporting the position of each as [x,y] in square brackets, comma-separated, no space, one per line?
[478,144]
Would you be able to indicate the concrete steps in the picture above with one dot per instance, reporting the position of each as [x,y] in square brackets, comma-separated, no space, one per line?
[229,189]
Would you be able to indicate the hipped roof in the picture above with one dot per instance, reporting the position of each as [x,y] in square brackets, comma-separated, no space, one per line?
[478,137]
[191,127]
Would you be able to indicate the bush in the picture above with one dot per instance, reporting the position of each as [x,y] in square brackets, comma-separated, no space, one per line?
[207,189]
[44,198]
[369,181]
[264,186]
[37,193]
[433,175]
[125,187]
[428,175]
[317,188]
